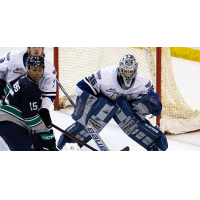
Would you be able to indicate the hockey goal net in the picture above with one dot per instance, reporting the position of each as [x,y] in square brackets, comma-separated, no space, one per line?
[75,63]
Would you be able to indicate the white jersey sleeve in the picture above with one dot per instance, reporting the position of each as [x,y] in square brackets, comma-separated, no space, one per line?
[88,84]
[47,84]
[13,66]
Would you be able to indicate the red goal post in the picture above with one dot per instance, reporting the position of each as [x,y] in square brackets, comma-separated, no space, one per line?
[56,65]
[158,78]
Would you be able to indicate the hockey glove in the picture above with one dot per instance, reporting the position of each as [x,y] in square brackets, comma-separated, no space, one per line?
[148,104]
[44,114]
[36,140]
[2,86]
[48,140]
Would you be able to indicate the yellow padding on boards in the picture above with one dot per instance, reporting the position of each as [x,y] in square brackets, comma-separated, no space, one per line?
[185,53]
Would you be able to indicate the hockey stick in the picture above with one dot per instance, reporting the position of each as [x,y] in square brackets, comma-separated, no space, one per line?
[65,93]
[79,141]
[95,136]
[74,138]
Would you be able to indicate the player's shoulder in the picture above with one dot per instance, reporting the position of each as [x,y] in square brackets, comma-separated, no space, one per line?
[15,56]
[141,78]
[109,70]
[16,53]
[107,73]
[49,68]
[140,75]
[48,62]
[28,85]
[25,82]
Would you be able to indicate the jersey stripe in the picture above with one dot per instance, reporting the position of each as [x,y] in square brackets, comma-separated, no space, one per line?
[18,114]
[34,122]
[6,89]
[12,111]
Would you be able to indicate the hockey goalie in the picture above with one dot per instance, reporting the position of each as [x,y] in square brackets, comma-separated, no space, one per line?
[120,92]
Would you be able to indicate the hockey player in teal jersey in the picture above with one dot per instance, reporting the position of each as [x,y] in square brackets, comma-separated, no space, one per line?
[13,66]
[19,112]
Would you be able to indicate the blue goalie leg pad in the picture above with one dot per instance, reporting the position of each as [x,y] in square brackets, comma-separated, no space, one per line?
[141,131]
[78,131]
[88,106]
[98,111]
[159,145]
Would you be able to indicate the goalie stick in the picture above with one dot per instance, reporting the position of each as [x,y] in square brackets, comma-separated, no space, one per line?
[95,136]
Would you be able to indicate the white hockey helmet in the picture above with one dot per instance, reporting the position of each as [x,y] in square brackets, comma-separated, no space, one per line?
[128,69]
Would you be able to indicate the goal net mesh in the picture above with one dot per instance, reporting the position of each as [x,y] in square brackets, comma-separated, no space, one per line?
[75,63]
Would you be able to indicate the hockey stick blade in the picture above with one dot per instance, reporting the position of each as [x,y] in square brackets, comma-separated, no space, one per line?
[125,149]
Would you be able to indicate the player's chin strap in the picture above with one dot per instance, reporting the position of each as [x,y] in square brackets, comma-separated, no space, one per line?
[89,127]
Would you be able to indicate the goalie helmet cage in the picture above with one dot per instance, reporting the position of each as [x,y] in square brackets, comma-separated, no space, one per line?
[74,63]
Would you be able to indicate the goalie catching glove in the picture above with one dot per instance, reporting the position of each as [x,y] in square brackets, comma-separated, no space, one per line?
[140,130]
[148,104]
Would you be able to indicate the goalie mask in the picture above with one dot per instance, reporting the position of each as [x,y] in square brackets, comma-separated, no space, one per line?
[128,69]
[34,61]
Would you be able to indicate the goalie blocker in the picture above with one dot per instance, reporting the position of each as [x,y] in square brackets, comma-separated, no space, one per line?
[139,129]
[97,111]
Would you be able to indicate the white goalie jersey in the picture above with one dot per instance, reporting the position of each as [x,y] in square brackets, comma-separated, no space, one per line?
[13,65]
[105,83]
